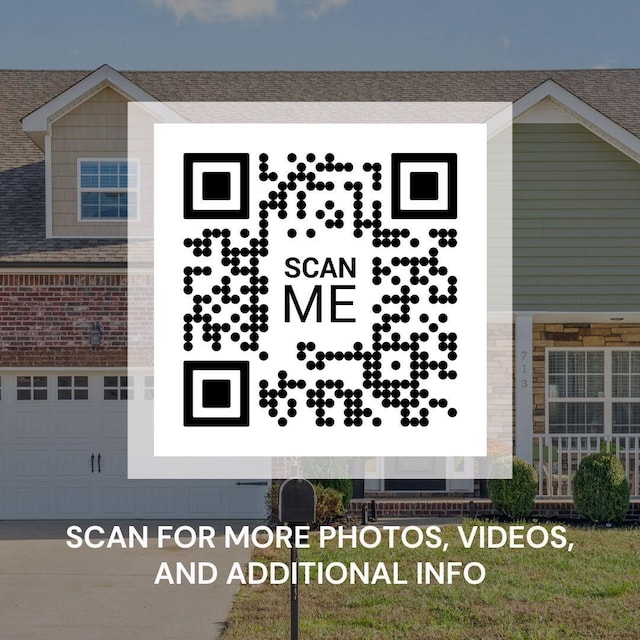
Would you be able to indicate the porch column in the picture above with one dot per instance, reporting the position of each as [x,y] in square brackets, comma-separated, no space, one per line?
[524,386]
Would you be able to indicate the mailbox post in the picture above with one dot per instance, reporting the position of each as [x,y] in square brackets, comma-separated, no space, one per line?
[297,507]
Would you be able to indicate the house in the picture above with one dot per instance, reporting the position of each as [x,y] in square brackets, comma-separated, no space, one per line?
[64,194]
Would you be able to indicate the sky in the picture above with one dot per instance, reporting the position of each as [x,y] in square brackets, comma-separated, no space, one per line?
[319,34]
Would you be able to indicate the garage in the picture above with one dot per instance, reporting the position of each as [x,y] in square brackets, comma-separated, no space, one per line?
[63,454]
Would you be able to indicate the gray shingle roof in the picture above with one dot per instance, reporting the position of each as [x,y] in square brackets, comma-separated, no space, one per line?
[615,93]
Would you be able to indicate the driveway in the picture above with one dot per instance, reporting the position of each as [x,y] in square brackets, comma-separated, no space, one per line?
[51,592]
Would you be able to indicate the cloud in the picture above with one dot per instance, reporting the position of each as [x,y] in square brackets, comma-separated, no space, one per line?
[220,10]
[606,62]
[320,6]
[506,43]
[223,10]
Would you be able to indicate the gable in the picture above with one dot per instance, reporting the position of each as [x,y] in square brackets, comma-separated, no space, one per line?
[38,123]
[550,95]
[576,221]
[546,111]
[96,128]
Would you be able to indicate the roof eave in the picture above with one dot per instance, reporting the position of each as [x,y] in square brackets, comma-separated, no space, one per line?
[37,125]
[583,113]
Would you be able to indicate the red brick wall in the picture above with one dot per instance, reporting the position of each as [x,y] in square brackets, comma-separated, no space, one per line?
[451,507]
[45,319]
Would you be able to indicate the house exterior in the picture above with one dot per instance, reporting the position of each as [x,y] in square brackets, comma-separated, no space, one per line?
[66,190]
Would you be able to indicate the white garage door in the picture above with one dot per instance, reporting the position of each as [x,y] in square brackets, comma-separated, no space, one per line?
[63,454]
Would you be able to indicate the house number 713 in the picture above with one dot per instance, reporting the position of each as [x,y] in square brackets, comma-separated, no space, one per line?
[524,379]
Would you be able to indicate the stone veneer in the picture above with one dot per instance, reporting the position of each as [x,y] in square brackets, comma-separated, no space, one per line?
[574,335]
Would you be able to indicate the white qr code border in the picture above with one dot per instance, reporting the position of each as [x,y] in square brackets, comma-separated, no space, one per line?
[171,439]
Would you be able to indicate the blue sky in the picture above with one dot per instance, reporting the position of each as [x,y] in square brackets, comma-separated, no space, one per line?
[319,34]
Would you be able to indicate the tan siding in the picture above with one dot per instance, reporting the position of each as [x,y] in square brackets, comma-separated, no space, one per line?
[576,221]
[96,128]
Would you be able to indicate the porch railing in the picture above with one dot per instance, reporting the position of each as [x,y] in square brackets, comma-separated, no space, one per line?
[556,458]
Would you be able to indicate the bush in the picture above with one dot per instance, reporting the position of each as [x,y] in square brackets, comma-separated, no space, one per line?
[329,503]
[272,501]
[515,497]
[601,489]
[343,486]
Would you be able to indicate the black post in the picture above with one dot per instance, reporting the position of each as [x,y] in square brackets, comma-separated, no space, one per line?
[358,488]
[294,592]
[297,508]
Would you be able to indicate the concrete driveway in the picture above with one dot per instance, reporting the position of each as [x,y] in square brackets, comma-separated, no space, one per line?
[51,592]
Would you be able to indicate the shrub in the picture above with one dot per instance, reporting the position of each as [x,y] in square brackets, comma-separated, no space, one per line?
[601,489]
[329,504]
[272,501]
[515,497]
[343,486]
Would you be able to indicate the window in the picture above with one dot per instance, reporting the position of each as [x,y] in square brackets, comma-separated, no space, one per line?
[118,387]
[73,388]
[108,189]
[593,390]
[625,389]
[31,387]
[148,387]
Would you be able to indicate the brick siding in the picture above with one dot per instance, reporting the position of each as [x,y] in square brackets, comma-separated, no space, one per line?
[476,507]
[45,319]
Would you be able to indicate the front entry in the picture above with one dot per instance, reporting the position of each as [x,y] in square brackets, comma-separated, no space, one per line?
[414,484]
[414,474]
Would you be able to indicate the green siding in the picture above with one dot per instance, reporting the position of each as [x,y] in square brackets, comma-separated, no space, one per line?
[576,221]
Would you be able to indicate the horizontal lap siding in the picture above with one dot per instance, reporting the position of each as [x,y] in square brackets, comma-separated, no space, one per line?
[97,128]
[576,221]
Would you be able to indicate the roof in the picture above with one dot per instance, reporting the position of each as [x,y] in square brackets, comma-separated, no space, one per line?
[613,93]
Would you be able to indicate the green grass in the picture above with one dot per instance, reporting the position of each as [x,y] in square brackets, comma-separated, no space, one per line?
[529,594]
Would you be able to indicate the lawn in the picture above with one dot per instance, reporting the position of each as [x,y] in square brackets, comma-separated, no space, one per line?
[529,594]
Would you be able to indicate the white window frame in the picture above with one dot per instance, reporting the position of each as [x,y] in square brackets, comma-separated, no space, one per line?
[32,388]
[134,192]
[74,388]
[148,381]
[607,399]
[123,391]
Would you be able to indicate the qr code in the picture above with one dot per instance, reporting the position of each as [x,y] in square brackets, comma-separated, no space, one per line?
[320,286]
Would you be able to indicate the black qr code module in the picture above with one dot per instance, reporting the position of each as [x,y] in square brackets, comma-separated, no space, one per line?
[319,196]
[322,287]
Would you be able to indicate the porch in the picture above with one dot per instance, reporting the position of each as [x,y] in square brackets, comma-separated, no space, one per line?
[577,392]
[556,458]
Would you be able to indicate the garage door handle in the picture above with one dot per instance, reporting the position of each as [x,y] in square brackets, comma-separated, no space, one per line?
[261,483]
[92,459]
[99,459]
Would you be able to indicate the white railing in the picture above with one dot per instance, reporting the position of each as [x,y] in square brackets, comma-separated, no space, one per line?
[556,458]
